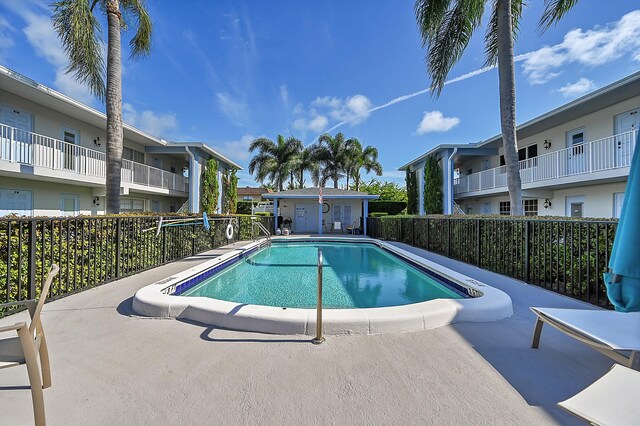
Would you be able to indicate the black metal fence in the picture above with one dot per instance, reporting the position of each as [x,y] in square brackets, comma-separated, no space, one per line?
[565,256]
[95,250]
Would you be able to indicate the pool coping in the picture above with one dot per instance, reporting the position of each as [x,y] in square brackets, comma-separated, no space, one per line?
[157,300]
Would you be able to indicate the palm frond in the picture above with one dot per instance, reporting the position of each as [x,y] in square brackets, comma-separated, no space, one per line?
[554,10]
[491,35]
[80,34]
[140,44]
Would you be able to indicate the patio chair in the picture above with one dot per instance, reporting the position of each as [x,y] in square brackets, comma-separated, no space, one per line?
[353,229]
[337,225]
[608,332]
[24,349]
[611,400]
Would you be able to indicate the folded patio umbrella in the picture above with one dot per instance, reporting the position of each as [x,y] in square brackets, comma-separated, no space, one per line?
[623,278]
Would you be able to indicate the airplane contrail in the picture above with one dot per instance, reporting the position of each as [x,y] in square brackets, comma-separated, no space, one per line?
[423,91]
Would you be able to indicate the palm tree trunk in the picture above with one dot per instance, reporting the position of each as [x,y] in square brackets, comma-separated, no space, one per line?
[347,180]
[508,104]
[114,107]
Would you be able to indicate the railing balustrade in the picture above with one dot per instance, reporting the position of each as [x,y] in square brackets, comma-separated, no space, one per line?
[609,153]
[19,146]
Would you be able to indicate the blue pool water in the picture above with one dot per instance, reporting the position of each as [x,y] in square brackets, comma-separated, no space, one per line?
[355,275]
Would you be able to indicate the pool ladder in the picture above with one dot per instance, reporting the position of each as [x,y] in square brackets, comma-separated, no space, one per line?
[319,339]
[261,228]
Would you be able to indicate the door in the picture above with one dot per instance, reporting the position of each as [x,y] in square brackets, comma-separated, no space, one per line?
[343,213]
[22,122]
[575,206]
[16,201]
[306,219]
[300,221]
[618,199]
[625,123]
[69,205]
[69,148]
[576,155]
[485,208]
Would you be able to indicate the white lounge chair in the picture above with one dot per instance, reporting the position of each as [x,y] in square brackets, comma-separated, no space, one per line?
[611,400]
[608,332]
[25,348]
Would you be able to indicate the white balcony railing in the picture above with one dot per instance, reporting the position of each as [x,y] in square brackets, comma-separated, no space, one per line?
[613,152]
[19,146]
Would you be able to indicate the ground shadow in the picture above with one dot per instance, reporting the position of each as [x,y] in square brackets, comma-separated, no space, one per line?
[126,307]
[208,329]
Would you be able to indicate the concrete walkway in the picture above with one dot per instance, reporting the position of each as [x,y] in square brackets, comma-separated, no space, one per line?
[110,367]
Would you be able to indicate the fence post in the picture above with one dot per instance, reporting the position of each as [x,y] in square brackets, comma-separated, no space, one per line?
[118,245]
[164,244]
[448,237]
[193,240]
[527,260]
[428,247]
[478,241]
[32,259]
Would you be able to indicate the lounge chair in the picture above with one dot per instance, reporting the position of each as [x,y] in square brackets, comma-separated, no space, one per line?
[608,332]
[611,400]
[337,225]
[24,349]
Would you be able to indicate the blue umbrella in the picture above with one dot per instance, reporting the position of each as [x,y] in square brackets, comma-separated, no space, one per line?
[623,278]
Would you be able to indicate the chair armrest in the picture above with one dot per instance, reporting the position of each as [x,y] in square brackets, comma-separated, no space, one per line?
[13,327]
[21,302]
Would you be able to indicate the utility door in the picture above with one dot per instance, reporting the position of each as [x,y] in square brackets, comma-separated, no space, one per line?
[576,153]
[70,149]
[306,219]
[14,201]
[624,124]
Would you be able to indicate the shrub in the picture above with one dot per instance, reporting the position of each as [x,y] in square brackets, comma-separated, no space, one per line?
[412,192]
[389,207]
[244,207]
[432,186]
[209,189]
[378,214]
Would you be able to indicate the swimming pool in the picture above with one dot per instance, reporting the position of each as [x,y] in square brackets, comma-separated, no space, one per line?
[370,287]
[354,276]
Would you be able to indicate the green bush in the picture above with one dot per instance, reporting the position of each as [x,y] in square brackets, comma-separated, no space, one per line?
[389,207]
[378,214]
[244,207]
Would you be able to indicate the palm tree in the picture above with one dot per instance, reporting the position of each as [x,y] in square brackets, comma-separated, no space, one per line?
[359,158]
[274,160]
[306,161]
[331,153]
[446,27]
[79,31]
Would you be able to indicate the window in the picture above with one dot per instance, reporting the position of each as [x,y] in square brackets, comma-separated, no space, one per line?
[532,151]
[618,199]
[69,205]
[469,171]
[502,162]
[130,205]
[133,155]
[522,154]
[247,198]
[530,207]
[505,207]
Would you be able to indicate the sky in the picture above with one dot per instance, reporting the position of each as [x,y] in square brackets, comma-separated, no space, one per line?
[225,72]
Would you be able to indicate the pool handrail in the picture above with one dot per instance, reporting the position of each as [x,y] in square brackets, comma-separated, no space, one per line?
[319,339]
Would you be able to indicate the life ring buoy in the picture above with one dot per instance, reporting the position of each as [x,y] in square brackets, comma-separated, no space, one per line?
[229,231]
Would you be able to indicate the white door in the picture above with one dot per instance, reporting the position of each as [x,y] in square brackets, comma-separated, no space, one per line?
[575,206]
[69,205]
[485,208]
[14,201]
[342,213]
[22,121]
[625,123]
[300,221]
[576,155]
[618,199]
[69,149]
[306,219]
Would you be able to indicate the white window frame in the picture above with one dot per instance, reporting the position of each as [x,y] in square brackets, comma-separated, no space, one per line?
[617,213]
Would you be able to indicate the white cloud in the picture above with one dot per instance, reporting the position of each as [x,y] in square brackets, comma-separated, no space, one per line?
[236,110]
[435,121]
[149,121]
[594,47]
[237,150]
[353,110]
[581,86]
[6,40]
[284,95]
[315,124]
[326,101]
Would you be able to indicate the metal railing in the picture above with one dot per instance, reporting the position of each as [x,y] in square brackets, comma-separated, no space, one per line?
[319,339]
[19,146]
[565,256]
[91,251]
[613,152]
[261,228]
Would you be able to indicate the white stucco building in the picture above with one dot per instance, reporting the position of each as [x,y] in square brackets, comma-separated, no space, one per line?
[574,160]
[52,158]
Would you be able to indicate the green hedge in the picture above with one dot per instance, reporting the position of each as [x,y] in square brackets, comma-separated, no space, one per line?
[244,207]
[389,207]
[378,214]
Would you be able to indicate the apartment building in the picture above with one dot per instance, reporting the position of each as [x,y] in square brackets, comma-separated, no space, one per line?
[574,160]
[52,158]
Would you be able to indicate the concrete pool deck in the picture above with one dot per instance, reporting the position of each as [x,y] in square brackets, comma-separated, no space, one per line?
[110,367]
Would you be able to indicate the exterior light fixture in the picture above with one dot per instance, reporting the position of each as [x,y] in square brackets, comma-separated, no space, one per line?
[96,201]
[547,203]
[96,141]
[547,144]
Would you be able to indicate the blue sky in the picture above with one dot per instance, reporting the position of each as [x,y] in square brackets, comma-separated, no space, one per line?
[225,72]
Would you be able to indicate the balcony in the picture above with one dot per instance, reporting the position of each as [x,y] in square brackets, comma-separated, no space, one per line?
[599,159]
[26,148]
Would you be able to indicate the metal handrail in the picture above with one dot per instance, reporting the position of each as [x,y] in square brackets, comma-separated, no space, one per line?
[319,339]
[262,228]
